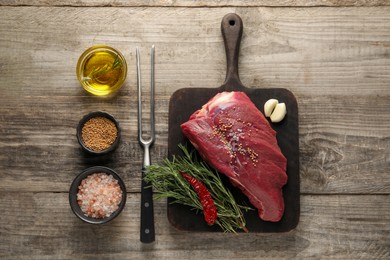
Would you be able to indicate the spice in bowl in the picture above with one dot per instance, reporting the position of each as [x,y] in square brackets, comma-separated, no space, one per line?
[98,132]
[97,195]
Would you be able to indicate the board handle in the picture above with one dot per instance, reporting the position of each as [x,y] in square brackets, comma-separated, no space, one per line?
[232,27]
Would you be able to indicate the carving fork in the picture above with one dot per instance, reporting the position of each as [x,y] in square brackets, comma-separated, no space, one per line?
[147,214]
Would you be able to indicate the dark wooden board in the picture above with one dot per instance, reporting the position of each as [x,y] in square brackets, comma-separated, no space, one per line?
[186,101]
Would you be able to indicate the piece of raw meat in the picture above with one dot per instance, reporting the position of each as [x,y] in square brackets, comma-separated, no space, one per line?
[234,137]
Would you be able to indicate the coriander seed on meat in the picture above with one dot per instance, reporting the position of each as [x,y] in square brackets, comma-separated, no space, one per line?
[99,133]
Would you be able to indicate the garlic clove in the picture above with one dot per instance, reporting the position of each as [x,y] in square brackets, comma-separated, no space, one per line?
[279,113]
[269,106]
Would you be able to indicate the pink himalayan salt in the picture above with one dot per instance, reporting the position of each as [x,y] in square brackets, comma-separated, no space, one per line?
[99,195]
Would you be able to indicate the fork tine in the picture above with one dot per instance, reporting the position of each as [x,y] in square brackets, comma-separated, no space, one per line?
[139,95]
[152,127]
[139,90]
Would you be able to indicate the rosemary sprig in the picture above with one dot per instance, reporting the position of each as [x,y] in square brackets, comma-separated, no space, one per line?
[167,182]
[96,71]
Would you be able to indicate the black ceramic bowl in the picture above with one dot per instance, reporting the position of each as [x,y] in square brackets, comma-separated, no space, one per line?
[74,188]
[87,117]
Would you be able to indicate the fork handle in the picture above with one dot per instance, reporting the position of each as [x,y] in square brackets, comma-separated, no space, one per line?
[147,212]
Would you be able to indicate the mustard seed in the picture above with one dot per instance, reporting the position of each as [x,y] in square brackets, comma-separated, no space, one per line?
[99,133]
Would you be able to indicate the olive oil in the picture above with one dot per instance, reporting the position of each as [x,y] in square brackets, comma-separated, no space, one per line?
[101,70]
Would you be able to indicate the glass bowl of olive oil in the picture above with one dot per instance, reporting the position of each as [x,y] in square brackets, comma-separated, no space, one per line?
[101,70]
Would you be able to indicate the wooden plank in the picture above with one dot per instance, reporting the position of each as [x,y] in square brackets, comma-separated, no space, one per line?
[336,155]
[346,142]
[42,226]
[335,61]
[312,51]
[201,3]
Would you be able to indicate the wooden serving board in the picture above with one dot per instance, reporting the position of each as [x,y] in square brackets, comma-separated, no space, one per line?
[186,101]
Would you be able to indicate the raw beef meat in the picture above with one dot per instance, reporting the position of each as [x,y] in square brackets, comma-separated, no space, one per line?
[234,137]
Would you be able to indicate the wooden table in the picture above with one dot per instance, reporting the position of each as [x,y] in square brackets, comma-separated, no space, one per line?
[333,55]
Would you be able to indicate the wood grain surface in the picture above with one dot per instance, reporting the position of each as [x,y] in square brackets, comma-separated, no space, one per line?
[336,61]
[199,3]
[330,227]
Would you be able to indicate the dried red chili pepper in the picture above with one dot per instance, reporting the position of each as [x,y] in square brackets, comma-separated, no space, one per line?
[209,209]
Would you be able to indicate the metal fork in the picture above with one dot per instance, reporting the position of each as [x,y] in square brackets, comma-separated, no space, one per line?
[147,214]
